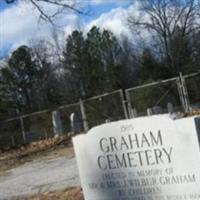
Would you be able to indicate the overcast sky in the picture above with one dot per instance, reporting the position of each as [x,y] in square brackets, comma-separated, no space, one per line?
[19,22]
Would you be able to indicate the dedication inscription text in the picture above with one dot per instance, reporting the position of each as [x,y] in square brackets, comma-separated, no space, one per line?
[150,158]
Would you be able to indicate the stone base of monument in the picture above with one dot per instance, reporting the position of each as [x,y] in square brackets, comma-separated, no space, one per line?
[146,158]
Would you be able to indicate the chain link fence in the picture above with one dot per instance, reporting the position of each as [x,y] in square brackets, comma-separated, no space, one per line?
[193,88]
[10,133]
[155,96]
[182,92]
[37,126]
[105,108]
[25,129]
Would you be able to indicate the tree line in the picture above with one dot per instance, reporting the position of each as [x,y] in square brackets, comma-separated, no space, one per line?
[89,65]
[35,77]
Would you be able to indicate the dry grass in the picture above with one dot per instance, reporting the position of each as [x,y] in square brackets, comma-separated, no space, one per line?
[42,150]
[33,147]
[74,193]
[189,114]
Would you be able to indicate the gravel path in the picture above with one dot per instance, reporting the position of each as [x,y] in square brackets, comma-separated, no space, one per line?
[39,177]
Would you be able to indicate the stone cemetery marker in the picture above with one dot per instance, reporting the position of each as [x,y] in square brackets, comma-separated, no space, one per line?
[72,122]
[149,111]
[147,158]
[157,110]
[57,124]
[75,123]
[170,108]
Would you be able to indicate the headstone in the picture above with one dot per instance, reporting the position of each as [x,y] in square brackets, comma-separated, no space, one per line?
[170,108]
[134,112]
[157,110]
[75,123]
[197,123]
[72,123]
[149,111]
[107,121]
[146,158]
[57,124]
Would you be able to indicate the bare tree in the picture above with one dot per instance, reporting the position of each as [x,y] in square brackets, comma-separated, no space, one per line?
[50,10]
[168,20]
[61,6]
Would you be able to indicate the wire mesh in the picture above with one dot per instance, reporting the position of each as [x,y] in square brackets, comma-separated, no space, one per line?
[193,88]
[154,95]
[11,133]
[107,107]
[66,112]
[38,126]
[101,109]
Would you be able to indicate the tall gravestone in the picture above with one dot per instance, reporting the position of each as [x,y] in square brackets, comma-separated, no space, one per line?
[57,123]
[148,158]
[75,123]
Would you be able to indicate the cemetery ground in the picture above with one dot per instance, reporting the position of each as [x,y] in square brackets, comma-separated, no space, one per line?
[43,170]
[40,171]
[73,193]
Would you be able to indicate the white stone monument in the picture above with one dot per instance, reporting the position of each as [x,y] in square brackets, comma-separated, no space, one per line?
[147,158]
[75,123]
[57,123]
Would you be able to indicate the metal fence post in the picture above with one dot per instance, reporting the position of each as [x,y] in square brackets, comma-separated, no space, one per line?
[13,141]
[84,118]
[22,126]
[183,94]
[23,130]
[129,106]
[124,104]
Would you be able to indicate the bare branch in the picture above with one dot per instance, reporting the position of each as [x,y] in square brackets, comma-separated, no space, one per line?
[64,5]
[169,20]
[60,7]
[43,15]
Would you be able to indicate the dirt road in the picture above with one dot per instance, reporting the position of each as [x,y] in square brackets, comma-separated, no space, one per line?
[39,177]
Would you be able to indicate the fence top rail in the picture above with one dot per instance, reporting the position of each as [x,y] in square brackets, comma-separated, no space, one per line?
[152,84]
[68,105]
[191,75]
[24,116]
[163,81]
[102,95]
